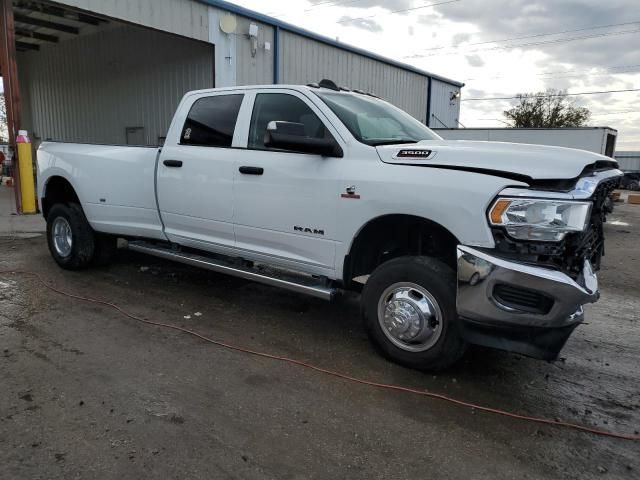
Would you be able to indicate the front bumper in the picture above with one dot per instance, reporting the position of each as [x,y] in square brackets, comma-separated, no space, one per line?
[519,307]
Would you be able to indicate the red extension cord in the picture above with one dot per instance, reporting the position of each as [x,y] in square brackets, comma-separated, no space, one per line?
[546,421]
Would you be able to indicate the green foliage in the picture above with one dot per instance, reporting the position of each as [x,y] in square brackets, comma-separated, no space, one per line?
[550,109]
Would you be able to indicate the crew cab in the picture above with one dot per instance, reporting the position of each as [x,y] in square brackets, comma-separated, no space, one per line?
[321,190]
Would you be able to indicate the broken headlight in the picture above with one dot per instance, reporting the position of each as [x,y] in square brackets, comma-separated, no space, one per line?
[539,219]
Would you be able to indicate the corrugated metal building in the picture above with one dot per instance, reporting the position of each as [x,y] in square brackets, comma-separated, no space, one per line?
[113,71]
[629,161]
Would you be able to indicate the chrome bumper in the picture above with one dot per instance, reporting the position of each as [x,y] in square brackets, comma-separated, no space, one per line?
[479,273]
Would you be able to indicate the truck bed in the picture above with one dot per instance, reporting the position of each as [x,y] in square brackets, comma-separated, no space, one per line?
[115,184]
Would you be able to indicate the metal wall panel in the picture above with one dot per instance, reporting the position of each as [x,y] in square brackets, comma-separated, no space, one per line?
[444,111]
[253,69]
[628,161]
[182,17]
[235,63]
[462,133]
[592,139]
[304,60]
[91,88]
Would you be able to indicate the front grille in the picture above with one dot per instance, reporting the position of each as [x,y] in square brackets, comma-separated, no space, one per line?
[522,299]
[569,254]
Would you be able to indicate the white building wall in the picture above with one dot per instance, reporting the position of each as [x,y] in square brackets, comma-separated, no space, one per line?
[226,58]
[303,60]
[91,88]
[237,63]
[254,69]
[182,17]
[445,112]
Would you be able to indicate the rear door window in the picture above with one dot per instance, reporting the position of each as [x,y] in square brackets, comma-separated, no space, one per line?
[212,121]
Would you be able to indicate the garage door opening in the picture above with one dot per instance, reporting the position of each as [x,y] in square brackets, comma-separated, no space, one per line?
[85,78]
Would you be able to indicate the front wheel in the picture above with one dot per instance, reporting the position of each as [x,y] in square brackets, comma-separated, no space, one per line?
[409,310]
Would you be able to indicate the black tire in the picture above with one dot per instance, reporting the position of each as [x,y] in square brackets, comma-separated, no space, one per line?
[82,236]
[440,281]
[105,249]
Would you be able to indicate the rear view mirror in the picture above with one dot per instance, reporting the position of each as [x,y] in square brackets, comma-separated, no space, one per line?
[292,136]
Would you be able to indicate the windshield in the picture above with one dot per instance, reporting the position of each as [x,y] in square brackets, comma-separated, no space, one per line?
[374,121]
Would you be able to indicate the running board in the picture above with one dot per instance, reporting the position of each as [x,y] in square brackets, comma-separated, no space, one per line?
[270,276]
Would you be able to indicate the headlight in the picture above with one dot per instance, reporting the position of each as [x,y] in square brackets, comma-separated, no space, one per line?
[538,219]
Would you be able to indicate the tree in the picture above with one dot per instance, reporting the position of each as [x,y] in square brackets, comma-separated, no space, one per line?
[3,120]
[550,109]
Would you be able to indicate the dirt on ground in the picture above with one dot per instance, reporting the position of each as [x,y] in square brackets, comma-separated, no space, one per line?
[88,393]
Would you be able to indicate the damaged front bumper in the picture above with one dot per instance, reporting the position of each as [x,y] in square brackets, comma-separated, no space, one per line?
[519,307]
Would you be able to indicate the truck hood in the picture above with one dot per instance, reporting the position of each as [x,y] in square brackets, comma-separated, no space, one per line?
[511,160]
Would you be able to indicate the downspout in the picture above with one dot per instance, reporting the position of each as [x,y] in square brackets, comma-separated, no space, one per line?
[428,100]
[276,55]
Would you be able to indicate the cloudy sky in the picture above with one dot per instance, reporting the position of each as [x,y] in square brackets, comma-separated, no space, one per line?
[498,48]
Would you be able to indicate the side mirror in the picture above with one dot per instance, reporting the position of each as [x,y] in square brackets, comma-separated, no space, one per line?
[292,136]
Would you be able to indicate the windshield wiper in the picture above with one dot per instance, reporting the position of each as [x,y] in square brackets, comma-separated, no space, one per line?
[392,141]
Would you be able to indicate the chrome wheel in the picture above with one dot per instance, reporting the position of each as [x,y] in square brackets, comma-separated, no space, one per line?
[62,237]
[410,317]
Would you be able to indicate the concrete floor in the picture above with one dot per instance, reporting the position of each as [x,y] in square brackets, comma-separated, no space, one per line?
[13,224]
[87,393]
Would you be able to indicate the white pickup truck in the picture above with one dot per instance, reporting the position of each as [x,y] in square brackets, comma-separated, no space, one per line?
[319,190]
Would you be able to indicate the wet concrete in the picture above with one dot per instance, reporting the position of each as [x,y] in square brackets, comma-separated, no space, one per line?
[87,393]
[12,224]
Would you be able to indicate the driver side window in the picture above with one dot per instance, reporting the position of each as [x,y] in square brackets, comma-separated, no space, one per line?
[270,107]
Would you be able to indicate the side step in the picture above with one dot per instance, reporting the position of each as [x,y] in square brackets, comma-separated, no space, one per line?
[268,275]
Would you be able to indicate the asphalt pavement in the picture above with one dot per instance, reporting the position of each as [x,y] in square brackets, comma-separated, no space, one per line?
[88,393]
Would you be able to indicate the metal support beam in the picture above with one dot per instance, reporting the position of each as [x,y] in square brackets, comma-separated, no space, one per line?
[276,55]
[9,70]
[61,13]
[27,46]
[429,80]
[38,22]
[20,32]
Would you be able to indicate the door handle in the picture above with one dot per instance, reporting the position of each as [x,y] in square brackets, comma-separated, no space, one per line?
[173,163]
[251,170]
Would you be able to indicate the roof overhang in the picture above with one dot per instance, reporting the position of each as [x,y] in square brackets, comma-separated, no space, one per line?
[38,23]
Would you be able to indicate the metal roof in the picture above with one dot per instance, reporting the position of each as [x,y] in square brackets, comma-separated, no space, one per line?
[245,12]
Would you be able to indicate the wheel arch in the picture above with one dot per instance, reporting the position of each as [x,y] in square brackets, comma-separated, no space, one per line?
[393,235]
[57,189]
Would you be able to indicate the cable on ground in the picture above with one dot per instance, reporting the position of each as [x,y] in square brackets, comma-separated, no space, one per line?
[293,361]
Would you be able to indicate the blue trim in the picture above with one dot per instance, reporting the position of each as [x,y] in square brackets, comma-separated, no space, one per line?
[245,12]
[276,55]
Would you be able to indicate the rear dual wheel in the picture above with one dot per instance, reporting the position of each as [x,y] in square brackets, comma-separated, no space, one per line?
[409,310]
[72,242]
